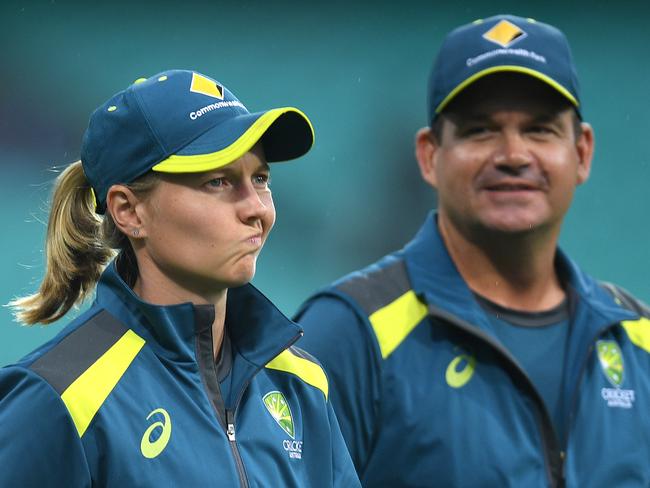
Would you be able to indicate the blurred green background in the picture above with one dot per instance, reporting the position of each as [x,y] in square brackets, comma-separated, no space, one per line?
[359,70]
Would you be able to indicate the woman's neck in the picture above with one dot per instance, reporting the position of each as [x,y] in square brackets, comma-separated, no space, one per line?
[153,286]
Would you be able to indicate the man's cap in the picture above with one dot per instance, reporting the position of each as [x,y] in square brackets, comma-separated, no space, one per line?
[503,43]
[181,121]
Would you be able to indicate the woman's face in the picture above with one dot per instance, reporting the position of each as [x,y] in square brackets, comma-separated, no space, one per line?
[202,232]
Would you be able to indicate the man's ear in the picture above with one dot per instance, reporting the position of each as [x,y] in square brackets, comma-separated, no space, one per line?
[585,148]
[426,146]
[122,204]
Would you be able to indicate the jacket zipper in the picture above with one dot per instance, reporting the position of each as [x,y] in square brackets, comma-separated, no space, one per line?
[225,417]
[208,374]
[554,457]
[230,423]
[230,432]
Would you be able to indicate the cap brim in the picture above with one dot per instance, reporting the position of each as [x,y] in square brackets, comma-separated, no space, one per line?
[286,133]
[506,68]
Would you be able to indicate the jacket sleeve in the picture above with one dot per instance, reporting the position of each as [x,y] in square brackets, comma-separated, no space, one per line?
[39,444]
[344,474]
[341,339]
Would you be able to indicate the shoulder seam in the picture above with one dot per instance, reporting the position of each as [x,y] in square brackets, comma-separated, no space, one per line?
[295,361]
[624,299]
[375,288]
[392,307]
[638,331]
[87,365]
[57,396]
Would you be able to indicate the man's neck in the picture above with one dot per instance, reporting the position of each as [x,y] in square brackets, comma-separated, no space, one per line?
[517,271]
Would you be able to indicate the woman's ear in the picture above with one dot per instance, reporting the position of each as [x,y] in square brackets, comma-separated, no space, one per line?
[122,204]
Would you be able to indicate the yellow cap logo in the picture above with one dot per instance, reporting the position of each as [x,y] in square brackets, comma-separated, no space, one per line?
[205,86]
[504,34]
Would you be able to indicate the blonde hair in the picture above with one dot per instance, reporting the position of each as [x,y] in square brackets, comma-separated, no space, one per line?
[78,246]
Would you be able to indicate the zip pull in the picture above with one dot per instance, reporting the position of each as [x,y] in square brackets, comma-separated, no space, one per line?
[231,426]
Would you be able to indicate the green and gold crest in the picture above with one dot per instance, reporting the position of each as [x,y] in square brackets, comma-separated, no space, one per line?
[611,361]
[279,409]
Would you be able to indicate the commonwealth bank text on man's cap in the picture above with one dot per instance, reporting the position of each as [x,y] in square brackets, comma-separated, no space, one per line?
[182,122]
[500,44]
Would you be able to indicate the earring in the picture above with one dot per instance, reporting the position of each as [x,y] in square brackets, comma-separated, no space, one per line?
[136,232]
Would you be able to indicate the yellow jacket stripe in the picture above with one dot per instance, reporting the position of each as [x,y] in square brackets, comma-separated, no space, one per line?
[639,332]
[396,320]
[308,371]
[87,393]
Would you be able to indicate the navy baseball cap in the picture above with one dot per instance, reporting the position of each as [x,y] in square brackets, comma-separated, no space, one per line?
[181,121]
[503,43]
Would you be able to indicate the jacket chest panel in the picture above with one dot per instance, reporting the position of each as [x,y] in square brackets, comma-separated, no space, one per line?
[611,418]
[166,438]
[458,389]
[278,435]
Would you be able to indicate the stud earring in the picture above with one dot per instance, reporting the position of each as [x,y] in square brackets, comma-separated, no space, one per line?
[136,232]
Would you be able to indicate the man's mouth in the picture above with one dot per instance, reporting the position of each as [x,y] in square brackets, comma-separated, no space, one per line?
[511,187]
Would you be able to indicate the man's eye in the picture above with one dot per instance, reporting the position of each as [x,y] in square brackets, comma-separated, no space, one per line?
[540,129]
[475,130]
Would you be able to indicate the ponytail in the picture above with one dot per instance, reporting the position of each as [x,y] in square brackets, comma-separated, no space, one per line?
[74,251]
[79,245]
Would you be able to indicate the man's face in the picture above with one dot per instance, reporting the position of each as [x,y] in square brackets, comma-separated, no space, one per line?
[508,159]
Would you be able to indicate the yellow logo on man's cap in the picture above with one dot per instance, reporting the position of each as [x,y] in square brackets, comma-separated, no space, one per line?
[206,86]
[504,34]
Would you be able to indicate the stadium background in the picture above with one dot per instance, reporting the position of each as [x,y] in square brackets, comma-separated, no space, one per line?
[359,69]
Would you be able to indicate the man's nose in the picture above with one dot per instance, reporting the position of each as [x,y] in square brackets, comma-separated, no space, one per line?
[512,152]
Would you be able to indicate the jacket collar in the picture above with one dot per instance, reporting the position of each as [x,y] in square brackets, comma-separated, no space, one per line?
[434,276]
[258,330]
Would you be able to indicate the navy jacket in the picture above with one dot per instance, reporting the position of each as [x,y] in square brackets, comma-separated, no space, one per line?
[128,395]
[427,396]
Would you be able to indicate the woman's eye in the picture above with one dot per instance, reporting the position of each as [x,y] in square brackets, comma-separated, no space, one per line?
[262,179]
[216,182]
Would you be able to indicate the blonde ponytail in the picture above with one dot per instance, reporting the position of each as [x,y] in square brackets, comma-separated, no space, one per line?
[79,245]
[74,251]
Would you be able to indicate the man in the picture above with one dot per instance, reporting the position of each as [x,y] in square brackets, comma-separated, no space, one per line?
[480,354]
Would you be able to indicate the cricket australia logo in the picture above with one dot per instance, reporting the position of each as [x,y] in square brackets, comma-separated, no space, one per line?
[278,407]
[611,363]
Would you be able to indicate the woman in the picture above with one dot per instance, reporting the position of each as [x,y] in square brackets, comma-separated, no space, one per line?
[181,373]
